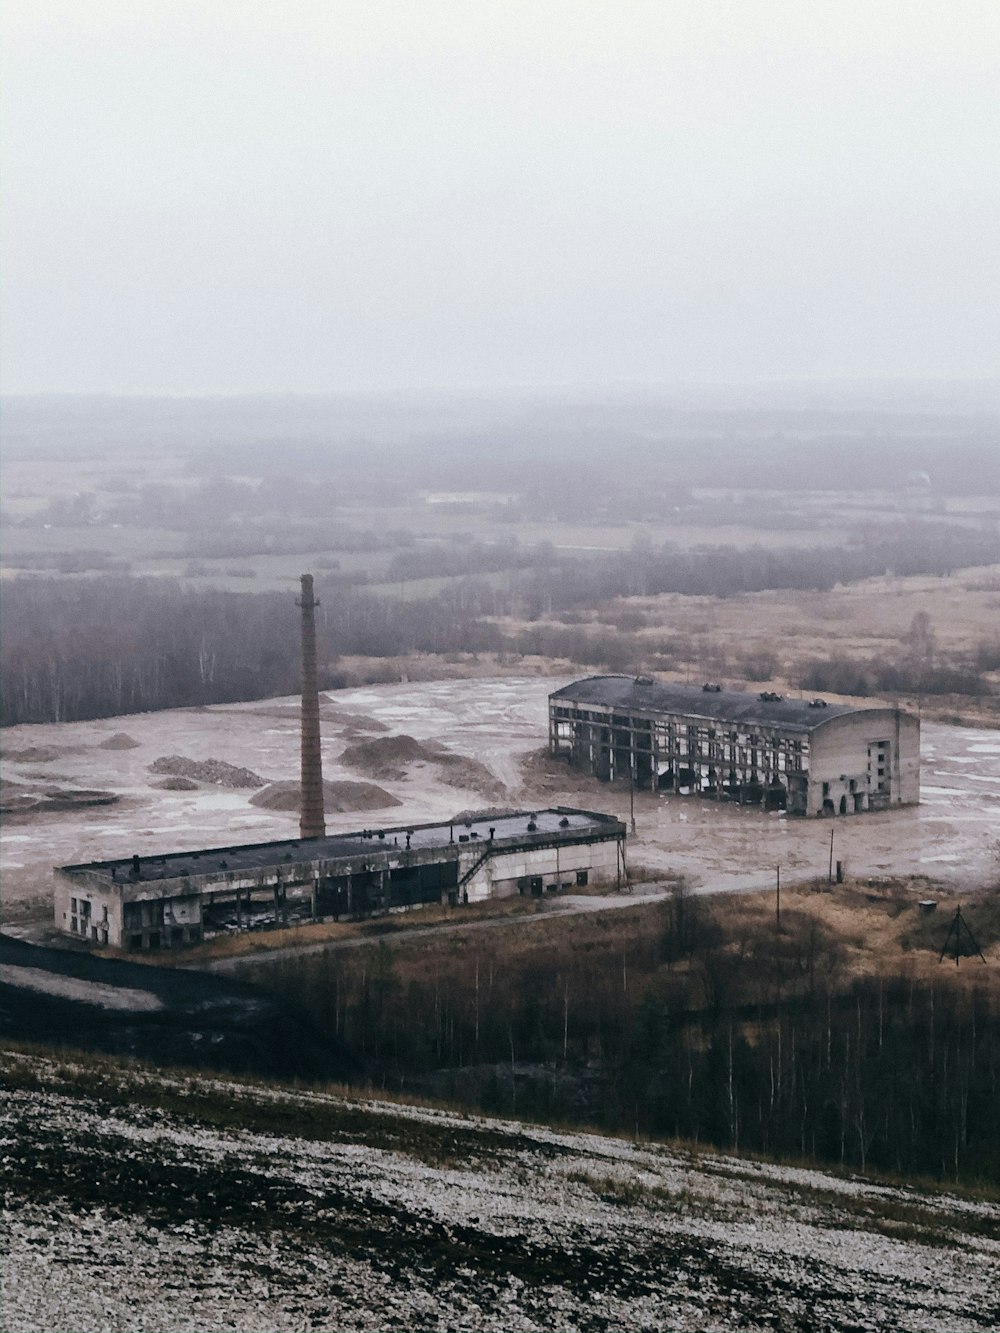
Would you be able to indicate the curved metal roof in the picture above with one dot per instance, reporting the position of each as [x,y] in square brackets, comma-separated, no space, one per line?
[641,694]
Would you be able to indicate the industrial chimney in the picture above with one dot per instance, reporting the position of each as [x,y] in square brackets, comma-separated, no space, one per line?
[311,820]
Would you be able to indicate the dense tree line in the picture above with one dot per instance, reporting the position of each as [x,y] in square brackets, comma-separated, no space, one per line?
[723,571]
[97,647]
[846,675]
[74,649]
[741,1038]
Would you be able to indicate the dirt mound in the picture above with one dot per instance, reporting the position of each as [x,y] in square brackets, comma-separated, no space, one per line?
[34,754]
[458,771]
[389,756]
[176,784]
[17,798]
[121,740]
[338,797]
[546,779]
[216,771]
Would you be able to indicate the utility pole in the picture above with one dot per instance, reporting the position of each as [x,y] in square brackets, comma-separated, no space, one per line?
[830,877]
[777,898]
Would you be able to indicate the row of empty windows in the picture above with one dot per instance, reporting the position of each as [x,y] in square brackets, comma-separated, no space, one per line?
[164,939]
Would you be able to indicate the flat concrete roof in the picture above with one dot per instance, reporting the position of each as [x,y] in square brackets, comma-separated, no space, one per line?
[644,695]
[512,828]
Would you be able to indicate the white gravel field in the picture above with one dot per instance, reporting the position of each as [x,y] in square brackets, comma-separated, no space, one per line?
[139,1203]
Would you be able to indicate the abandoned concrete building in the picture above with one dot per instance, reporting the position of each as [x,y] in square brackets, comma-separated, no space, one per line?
[157,902]
[807,756]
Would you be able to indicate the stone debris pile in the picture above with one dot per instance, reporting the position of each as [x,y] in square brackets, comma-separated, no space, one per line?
[215,771]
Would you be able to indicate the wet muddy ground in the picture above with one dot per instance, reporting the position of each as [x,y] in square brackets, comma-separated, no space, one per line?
[499,723]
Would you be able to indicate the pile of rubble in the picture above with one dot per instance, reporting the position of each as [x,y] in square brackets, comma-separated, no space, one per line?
[216,771]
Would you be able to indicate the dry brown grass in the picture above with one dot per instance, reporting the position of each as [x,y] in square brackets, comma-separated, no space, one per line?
[858,617]
[323,932]
[879,926]
[713,638]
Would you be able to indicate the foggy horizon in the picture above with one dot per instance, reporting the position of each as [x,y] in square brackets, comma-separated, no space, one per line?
[335,199]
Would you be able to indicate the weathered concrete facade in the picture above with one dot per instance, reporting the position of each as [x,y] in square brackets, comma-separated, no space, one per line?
[806,756]
[170,901]
[867,760]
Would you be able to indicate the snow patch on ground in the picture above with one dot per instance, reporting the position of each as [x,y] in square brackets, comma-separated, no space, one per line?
[370,1215]
[75,988]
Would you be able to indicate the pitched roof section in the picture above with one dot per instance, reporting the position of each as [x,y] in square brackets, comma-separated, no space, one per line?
[644,695]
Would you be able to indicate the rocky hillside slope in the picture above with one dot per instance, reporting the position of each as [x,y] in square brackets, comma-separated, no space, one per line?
[144,1201]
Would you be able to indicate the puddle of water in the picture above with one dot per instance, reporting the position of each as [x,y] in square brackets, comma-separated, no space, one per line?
[218,801]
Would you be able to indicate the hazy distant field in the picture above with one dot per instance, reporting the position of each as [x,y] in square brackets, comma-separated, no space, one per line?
[788,546]
[148,485]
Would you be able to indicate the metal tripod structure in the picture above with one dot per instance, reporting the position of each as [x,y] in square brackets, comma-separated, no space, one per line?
[958,924]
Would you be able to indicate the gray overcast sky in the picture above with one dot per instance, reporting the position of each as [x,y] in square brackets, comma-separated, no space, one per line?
[271,195]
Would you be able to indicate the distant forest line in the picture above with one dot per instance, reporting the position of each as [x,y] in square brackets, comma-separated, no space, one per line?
[100,646]
[803,438]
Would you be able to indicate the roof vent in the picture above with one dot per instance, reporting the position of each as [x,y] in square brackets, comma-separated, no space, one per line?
[710,687]
[644,680]
[769,697]
[818,703]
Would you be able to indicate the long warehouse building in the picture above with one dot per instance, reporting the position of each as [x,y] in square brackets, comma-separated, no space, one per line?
[809,757]
[158,902]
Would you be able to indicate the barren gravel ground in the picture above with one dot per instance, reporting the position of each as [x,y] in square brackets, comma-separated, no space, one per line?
[138,1202]
[498,722]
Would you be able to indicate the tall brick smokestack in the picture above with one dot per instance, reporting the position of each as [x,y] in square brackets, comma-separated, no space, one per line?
[311,820]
